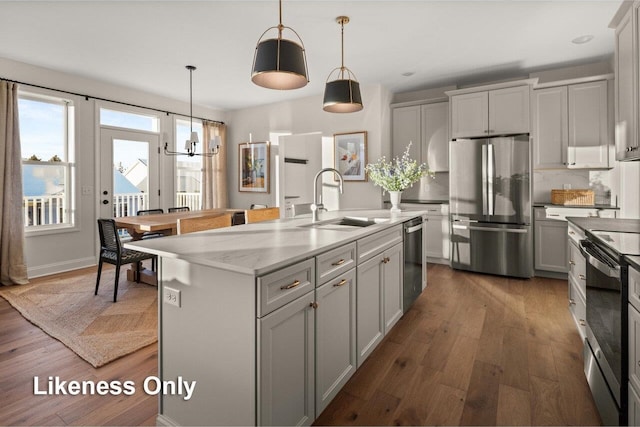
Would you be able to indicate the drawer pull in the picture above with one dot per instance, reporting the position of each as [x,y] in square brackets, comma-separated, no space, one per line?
[293,285]
[581,277]
[572,233]
[341,283]
[583,323]
[571,302]
[386,260]
[313,305]
[572,262]
[340,262]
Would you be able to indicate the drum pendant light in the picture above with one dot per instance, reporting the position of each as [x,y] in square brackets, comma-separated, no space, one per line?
[280,63]
[342,95]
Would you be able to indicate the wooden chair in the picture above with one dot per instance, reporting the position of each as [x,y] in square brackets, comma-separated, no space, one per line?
[257,215]
[112,252]
[190,225]
[179,209]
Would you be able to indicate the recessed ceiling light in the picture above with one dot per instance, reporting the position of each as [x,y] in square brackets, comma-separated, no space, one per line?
[582,39]
[408,74]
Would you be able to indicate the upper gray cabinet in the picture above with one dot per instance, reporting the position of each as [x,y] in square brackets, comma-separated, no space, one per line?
[627,79]
[499,111]
[426,126]
[571,126]
[435,136]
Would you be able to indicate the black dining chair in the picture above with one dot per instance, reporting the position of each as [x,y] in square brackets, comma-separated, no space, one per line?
[149,212]
[179,209]
[112,252]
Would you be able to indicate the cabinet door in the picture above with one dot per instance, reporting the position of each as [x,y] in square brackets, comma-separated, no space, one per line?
[286,365]
[588,125]
[435,238]
[392,283]
[335,336]
[369,316]
[435,136]
[406,128]
[634,288]
[509,110]
[551,246]
[577,267]
[634,407]
[625,83]
[634,347]
[470,115]
[550,128]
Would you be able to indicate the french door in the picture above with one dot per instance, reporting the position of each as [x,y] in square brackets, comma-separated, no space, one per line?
[129,172]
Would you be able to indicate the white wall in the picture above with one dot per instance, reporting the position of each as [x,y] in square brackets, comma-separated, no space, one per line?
[61,251]
[304,116]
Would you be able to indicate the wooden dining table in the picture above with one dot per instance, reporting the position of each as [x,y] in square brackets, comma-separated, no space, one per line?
[164,223]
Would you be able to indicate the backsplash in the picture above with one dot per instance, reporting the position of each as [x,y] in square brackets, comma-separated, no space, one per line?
[598,181]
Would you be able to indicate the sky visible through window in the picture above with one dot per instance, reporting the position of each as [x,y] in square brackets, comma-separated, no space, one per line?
[41,129]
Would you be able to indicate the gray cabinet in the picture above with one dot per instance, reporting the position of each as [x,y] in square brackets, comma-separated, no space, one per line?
[335,336]
[286,364]
[392,280]
[427,127]
[437,237]
[577,279]
[490,112]
[370,314]
[571,126]
[550,245]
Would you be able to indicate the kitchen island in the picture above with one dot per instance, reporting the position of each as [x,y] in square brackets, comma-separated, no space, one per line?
[271,319]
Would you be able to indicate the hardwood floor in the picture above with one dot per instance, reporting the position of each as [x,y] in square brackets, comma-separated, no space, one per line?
[27,352]
[473,350]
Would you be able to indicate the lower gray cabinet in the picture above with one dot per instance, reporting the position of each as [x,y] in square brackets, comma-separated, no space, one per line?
[286,364]
[392,265]
[335,336]
[550,243]
[370,315]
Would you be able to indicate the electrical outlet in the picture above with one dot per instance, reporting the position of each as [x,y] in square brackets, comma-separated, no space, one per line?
[172,296]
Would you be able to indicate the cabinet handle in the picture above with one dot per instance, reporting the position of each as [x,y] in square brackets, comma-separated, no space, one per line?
[572,233]
[571,262]
[342,282]
[340,262]
[572,164]
[638,362]
[571,302]
[386,259]
[581,277]
[293,285]
[313,305]
[583,323]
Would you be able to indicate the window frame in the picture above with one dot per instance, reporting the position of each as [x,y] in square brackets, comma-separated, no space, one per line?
[69,163]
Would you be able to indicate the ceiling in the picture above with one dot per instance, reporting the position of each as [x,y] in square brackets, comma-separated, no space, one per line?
[146,44]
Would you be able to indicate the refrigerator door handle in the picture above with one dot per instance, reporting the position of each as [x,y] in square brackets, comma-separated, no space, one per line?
[504,230]
[485,211]
[490,175]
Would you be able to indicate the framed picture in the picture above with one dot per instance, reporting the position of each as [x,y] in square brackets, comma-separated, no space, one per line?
[253,158]
[350,155]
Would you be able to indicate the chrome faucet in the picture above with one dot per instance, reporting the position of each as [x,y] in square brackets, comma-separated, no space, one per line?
[317,199]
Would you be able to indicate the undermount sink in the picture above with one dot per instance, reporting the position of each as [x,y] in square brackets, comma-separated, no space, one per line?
[345,222]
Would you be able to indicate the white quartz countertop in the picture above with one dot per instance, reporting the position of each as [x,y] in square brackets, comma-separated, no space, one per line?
[261,247]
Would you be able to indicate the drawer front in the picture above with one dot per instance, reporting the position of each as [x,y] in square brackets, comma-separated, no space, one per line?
[376,243]
[578,308]
[335,262]
[575,234]
[634,288]
[283,286]
[577,267]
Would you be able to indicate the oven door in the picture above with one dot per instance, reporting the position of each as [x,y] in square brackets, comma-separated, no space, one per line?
[604,315]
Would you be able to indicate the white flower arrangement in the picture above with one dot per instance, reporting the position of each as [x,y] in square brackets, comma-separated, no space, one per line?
[398,174]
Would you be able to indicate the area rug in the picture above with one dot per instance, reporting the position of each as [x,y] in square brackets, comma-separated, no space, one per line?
[94,327]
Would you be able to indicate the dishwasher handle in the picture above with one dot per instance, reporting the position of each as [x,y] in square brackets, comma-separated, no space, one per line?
[413,229]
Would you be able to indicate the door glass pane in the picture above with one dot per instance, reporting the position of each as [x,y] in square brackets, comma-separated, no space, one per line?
[128,120]
[130,177]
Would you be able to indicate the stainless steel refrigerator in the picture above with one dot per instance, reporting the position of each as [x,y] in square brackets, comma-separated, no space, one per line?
[490,205]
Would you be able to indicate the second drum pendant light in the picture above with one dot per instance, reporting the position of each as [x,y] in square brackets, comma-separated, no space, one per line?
[342,95]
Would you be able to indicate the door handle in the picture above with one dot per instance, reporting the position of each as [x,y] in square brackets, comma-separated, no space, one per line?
[413,229]
[504,230]
[105,202]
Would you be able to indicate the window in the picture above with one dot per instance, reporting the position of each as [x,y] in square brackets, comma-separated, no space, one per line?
[46,135]
[188,169]
[128,120]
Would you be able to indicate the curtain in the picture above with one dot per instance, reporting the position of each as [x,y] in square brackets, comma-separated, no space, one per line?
[13,269]
[214,186]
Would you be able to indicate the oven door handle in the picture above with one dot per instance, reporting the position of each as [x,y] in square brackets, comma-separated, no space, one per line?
[599,265]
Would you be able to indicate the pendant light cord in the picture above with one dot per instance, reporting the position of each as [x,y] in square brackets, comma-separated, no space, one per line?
[280,26]
[191,98]
[342,48]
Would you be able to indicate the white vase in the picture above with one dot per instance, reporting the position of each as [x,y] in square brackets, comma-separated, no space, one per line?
[394,197]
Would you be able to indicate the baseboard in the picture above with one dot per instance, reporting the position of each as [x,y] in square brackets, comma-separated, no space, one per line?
[551,274]
[60,267]
[161,420]
[443,261]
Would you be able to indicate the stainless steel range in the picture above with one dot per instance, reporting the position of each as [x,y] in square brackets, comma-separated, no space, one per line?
[606,345]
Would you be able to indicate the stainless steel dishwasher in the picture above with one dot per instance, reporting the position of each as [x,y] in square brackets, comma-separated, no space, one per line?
[414,262]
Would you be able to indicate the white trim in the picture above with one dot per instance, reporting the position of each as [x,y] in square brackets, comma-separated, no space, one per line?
[577,80]
[162,420]
[61,267]
[502,85]
[435,100]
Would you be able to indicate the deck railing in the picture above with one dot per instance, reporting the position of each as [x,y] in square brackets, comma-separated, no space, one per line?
[193,200]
